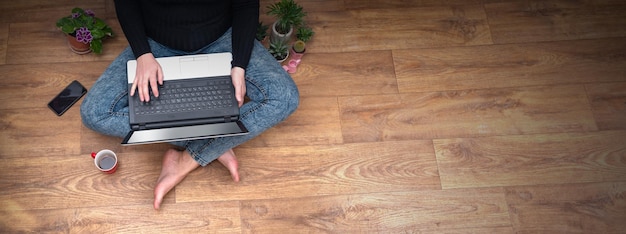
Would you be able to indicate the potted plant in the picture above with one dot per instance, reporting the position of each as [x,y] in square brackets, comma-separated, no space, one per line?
[261,31]
[303,35]
[298,48]
[289,15]
[279,50]
[84,31]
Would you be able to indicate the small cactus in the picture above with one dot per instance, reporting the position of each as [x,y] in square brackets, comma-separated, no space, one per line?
[299,46]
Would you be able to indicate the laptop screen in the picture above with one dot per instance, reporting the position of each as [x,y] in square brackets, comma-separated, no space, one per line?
[185,133]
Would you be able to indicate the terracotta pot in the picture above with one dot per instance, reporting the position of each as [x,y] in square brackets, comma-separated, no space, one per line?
[77,46]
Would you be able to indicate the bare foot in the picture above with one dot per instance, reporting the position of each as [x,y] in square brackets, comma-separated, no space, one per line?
[229,160]
[176,166]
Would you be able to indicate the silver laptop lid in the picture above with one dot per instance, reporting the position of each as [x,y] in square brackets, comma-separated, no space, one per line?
[188,66]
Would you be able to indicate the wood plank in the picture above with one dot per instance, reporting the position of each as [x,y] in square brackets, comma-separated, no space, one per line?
[478,67]
[4,39]
[356,73]
[28,86]
[109,11]
[399,28]
[513,21]
[72,181]
[37,132]
[532,159]
[45,11]
[52,44]
[541,112]
[574,208]
[467,113]
[457,211]
[608,102]
[218,217]
[373,4]
[315,122]
[309,6]
[297,171]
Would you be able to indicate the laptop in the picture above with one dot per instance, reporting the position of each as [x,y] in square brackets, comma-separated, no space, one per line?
[196,101]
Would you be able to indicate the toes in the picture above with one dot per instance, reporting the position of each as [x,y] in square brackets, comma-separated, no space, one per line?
[235,175]
[157,201]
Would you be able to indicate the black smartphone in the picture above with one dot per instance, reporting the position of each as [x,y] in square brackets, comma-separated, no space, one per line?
[66,98]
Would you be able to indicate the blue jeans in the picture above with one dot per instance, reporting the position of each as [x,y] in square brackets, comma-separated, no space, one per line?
[272,95]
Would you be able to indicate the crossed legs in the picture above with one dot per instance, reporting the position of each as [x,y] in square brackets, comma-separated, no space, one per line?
[273,97]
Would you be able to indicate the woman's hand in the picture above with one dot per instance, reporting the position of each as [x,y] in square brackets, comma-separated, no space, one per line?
[238,75]
[148,76]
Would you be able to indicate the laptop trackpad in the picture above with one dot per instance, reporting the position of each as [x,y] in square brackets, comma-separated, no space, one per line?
[185,133]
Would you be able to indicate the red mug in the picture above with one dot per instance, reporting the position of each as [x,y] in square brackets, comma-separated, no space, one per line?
[105,160]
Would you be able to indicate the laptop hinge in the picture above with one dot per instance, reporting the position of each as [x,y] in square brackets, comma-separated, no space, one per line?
[229,119]
[181,123]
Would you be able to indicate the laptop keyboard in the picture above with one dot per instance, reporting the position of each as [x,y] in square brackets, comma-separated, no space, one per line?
[185,96]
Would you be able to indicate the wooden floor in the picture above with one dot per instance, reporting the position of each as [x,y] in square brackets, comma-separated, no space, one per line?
[425,116]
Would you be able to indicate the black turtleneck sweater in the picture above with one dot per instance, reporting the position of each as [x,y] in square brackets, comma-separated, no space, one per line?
[189,25]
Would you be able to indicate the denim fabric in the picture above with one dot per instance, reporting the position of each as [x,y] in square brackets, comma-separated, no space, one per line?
[272,95]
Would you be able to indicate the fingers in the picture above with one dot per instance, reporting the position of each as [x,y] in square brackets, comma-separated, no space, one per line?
[147,77]
[160,75]
[154,82]
[239,94]
[144,90]
[154,86]
[239,82]
[143,85]
[133,87]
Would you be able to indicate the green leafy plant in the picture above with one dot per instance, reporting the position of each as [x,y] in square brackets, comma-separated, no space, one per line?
[288,13]
[278,49]
[261,31]
[304,33]
[86,27]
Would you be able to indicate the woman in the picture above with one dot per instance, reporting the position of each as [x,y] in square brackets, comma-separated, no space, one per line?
[172,27]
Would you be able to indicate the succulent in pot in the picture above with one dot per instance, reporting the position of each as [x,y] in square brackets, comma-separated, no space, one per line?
[279,50]
[261,31]
[303,35]
[289,15]
[299,47]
